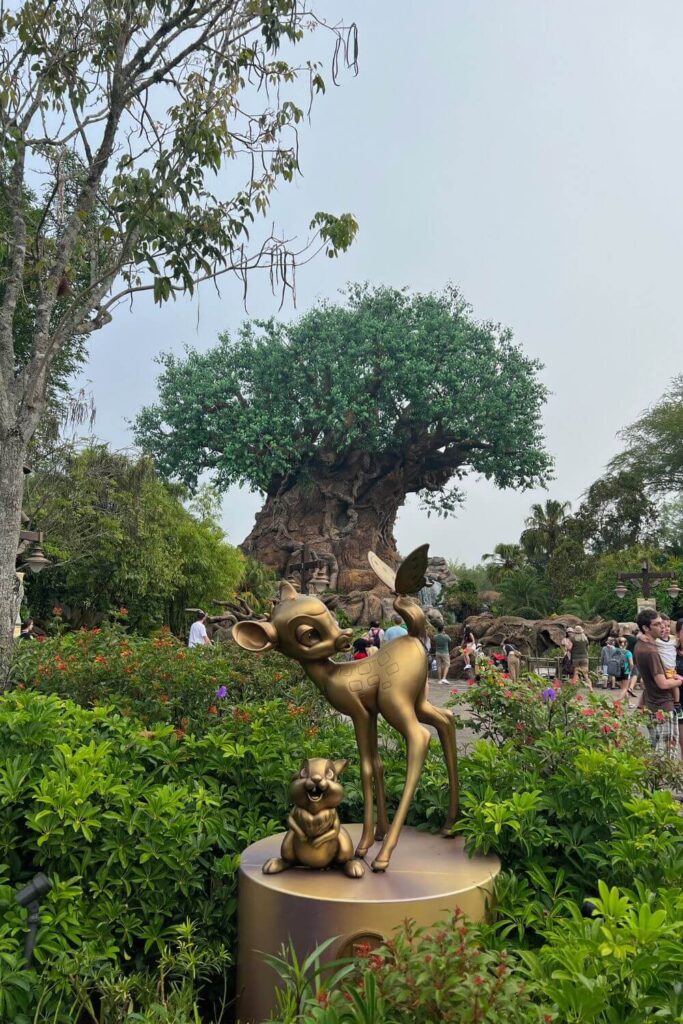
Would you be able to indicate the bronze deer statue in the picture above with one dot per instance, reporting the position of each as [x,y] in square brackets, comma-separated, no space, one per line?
[391,683]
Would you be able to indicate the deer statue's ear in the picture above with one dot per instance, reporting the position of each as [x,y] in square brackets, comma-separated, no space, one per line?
[255,636]
[339,766]
[287,591]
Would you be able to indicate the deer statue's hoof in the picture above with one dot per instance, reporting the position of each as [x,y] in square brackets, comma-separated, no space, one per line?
[275,865]
[354,868]
[379,865]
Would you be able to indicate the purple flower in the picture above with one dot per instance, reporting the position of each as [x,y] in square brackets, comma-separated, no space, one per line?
[221,692]
[549,694]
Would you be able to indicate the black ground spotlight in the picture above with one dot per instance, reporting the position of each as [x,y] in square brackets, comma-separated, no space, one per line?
[30,897]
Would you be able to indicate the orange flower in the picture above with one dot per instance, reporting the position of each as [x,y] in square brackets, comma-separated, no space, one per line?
[163,697]
[213,710]
[57,610]
[20,686]
[123,611]
[100,659]
[180,733]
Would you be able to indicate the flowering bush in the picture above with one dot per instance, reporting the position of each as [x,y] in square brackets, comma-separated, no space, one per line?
[157,679]
[441,974]
[526,710]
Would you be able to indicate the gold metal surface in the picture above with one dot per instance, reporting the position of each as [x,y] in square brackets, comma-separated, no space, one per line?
[392,683]
[316,838]
[428,879]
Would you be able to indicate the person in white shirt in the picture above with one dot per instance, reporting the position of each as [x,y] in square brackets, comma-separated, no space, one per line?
[198,634]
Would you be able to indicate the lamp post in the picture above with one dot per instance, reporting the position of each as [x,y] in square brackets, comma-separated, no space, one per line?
[644,579]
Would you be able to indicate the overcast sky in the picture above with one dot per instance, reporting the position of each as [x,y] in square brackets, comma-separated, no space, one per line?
[531,152]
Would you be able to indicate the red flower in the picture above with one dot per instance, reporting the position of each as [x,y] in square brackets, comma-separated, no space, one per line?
[213,710]
[163,697]
[606,728]
[57,610]
[659,715]
[100,659]
[587,712]
[508,693]
[478,980]
[322,997]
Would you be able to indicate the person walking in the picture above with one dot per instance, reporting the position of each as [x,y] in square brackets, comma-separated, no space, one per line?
[580,657]
[442,651]
[627,670]
[198,635]
[657,688]
[611,663]
[631,640]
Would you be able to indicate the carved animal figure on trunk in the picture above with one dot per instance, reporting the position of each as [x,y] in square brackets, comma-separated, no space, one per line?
[391,683]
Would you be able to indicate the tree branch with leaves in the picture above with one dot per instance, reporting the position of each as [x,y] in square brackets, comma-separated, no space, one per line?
[140,141]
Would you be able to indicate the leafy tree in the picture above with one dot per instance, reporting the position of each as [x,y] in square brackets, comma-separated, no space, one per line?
[616,513]
[567,567]
[524,593]
[670,527]
[119,536]
[544,527]
[654,448]
[338,416]
[462,597]
[598,589]
[128,115]
[503,559]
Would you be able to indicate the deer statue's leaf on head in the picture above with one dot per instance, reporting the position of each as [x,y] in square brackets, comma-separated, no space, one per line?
[392,683]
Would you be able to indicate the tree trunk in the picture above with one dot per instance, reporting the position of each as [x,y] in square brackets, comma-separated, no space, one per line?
[12,458]
[343,514]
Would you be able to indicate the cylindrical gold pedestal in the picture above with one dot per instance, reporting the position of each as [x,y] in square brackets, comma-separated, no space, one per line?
[428,877]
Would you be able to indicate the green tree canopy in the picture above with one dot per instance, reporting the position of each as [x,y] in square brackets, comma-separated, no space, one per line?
[119,536]
[400,382]
[544,527]
[654,443]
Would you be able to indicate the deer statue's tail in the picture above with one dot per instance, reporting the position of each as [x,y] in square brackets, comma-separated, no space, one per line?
[412,615]
[408,580]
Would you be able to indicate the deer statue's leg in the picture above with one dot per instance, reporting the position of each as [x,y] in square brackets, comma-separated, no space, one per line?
[444,723]
[362,723]
[417,740]
[378,776]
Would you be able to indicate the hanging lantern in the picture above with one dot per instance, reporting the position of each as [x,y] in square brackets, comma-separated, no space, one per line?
[674,590]
[620,590]
[37,560]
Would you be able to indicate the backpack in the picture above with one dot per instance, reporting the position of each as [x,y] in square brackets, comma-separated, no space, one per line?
[615,662]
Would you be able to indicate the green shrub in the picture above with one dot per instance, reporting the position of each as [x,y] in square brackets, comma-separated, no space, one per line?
[139,831]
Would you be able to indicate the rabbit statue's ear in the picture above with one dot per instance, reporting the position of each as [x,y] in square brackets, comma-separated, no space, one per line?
[287,591]
[255,636]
